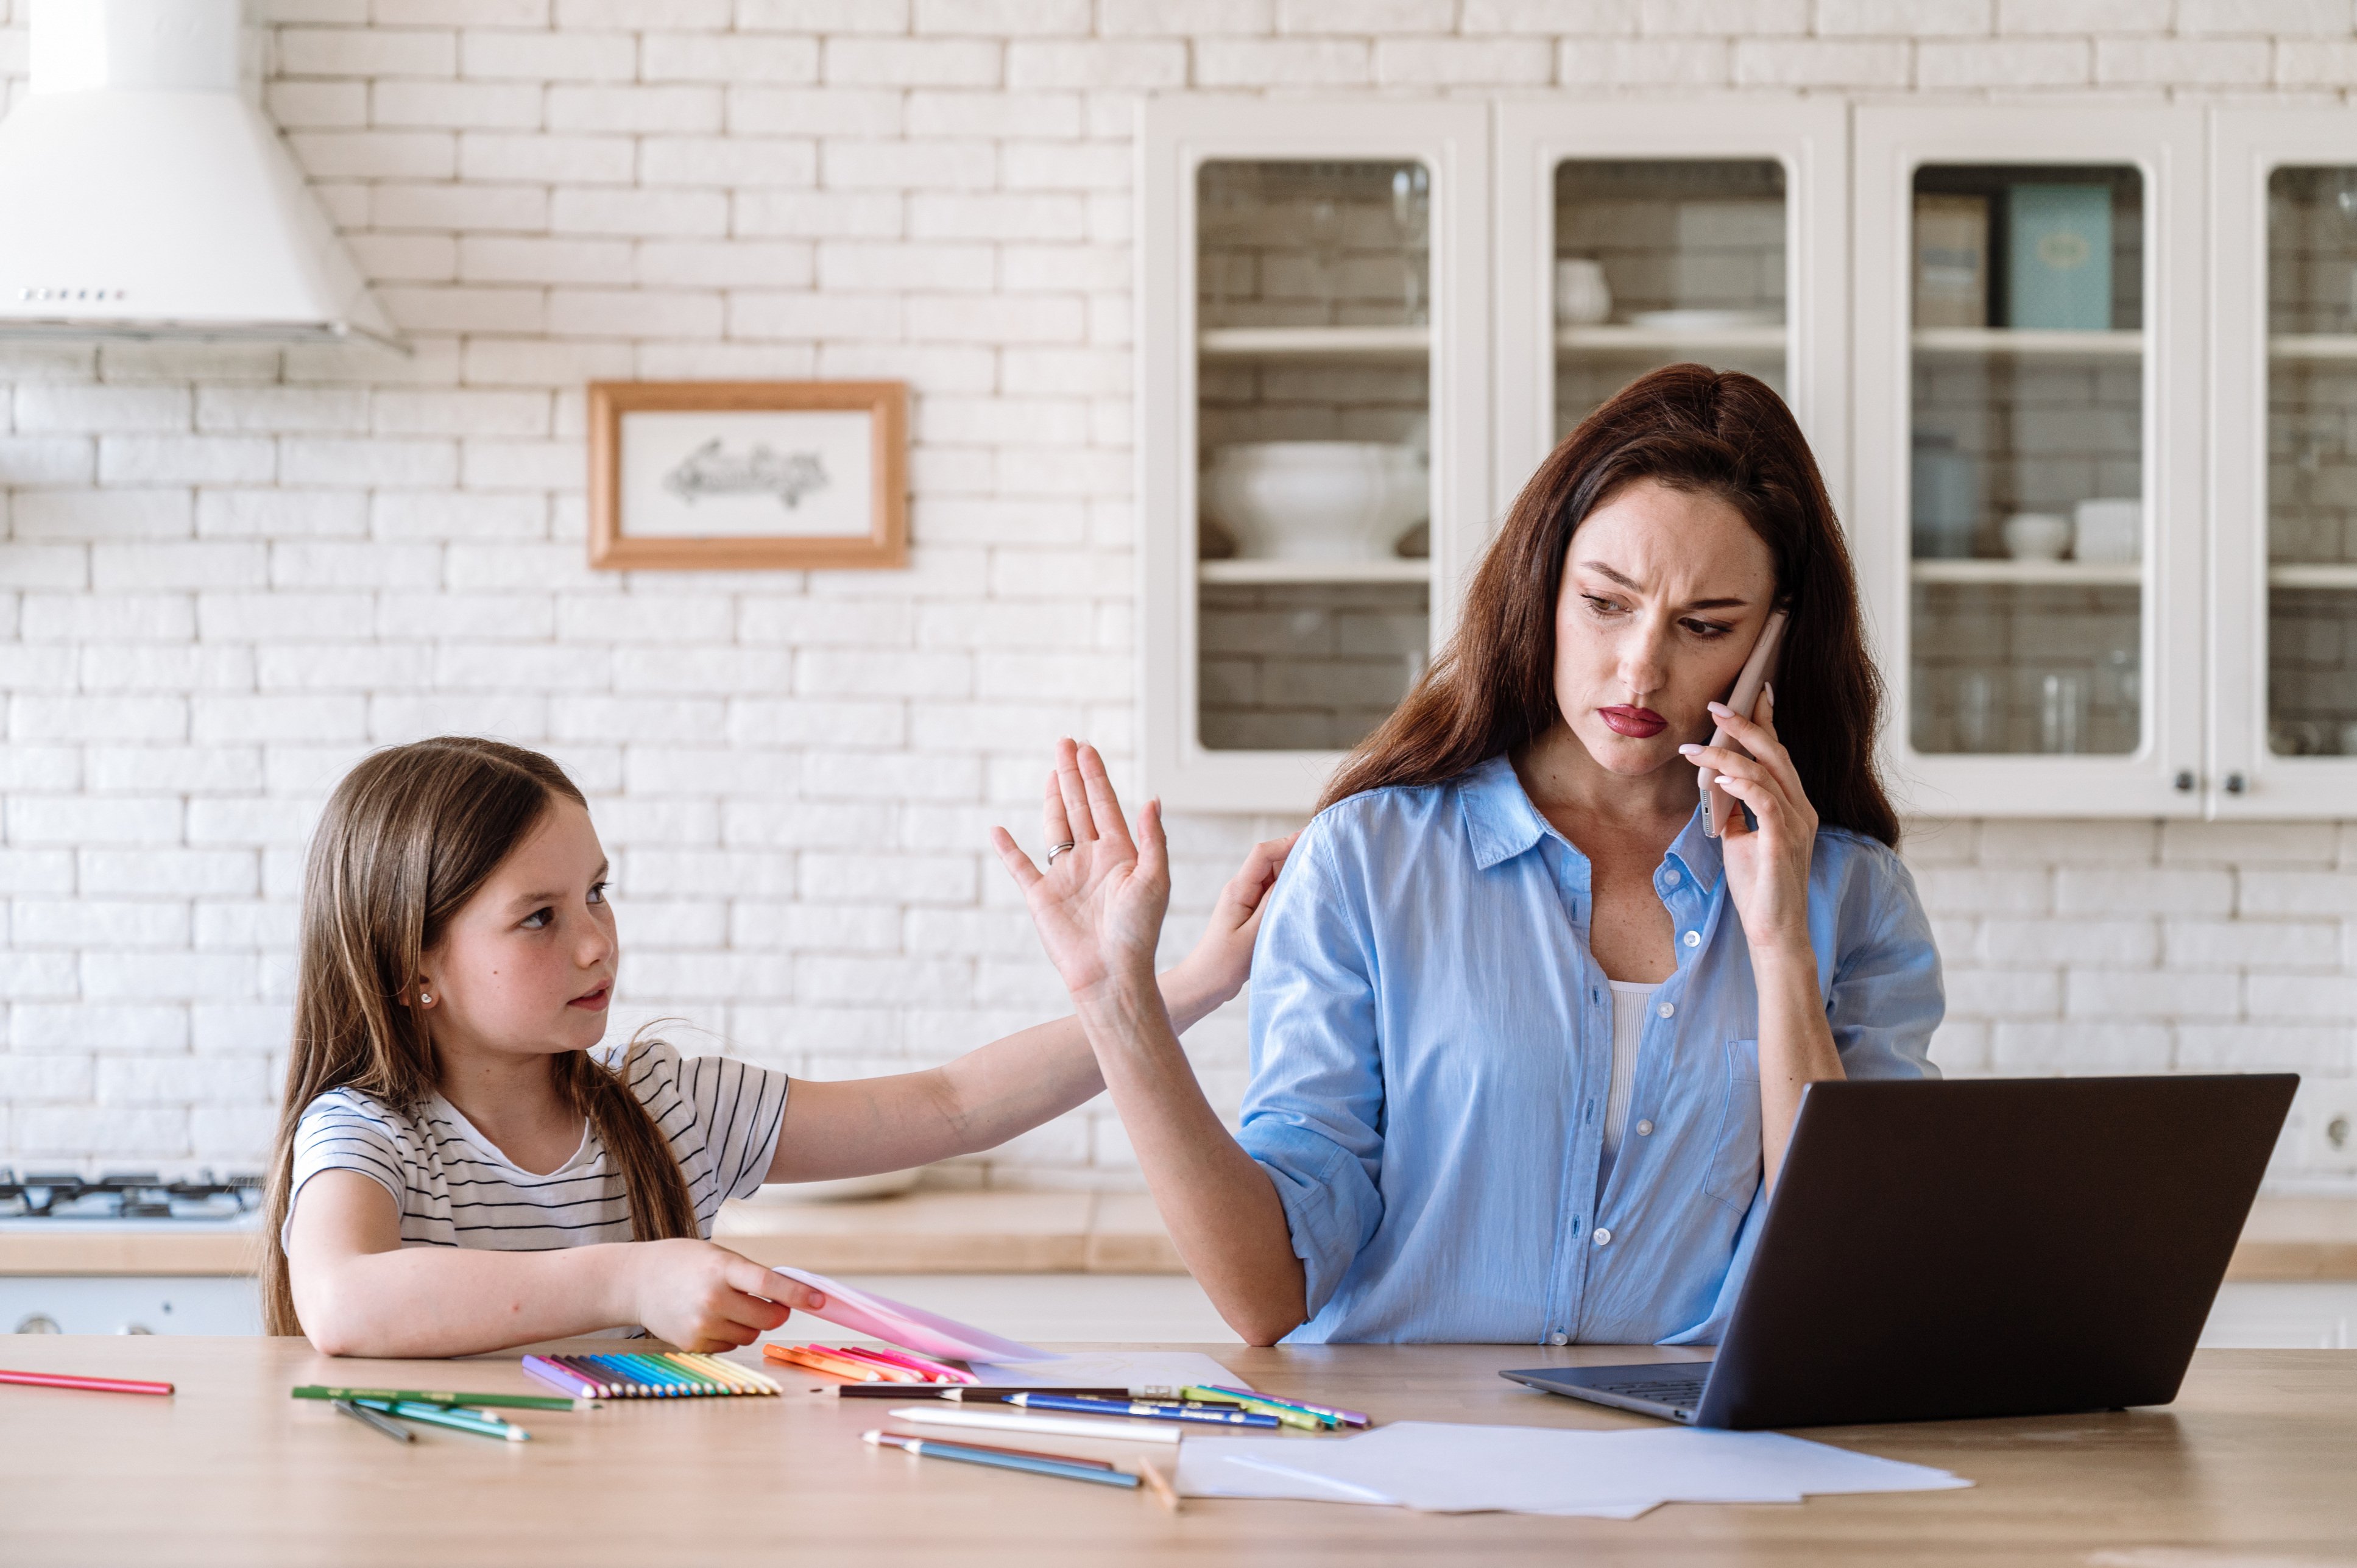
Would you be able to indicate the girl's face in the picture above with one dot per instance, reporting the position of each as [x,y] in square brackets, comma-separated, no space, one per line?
[1664,592]
[526,967]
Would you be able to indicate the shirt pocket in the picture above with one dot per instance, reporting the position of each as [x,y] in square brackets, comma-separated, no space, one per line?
[1732,1176]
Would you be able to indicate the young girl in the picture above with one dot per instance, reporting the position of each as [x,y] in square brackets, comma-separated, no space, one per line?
[455,1170]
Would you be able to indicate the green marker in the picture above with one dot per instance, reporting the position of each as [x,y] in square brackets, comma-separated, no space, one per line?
[1287,1413]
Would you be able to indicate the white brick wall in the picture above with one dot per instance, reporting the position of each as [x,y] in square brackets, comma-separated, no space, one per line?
[230,571]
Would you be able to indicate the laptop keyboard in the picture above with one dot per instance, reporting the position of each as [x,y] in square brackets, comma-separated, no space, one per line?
[1661,1391]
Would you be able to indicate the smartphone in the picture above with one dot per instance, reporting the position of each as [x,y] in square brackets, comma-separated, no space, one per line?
[1717,805]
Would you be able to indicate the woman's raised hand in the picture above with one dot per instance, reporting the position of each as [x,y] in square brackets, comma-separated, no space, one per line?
[1767,866]
[1221,960]
[1099,904]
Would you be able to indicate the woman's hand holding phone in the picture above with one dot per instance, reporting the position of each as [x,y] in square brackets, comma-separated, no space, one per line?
[1767,865]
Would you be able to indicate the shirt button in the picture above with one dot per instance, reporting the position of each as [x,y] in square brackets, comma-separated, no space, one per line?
[1602,1235]
[1671,878]
[1693,939]
[1666,1008]
[1558,1338]
[1644,1129]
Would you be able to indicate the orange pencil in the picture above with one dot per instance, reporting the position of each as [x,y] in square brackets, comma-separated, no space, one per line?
[817,1362]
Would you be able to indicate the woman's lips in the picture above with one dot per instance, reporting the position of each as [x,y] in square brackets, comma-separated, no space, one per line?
[596,1001]
[1638,724]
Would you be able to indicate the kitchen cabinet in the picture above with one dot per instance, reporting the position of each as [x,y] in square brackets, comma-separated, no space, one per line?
[1717,233]
[2282,605]
[2028,373]
[1314,361]
[2077,381]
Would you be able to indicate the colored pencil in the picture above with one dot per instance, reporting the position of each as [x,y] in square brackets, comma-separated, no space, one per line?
[1206,1415]
[414,1396]
[801,1356]
[1164,1493]
[647,1369]
[934,1371]
[1290,1415]
[582,1389]
[999,1420]
[970,1393]
[374,1422]
[1348,1417]
[1026,1453]
[94,1385]
[891,1371]
[1065,1469]
[445,1415]
[739,1379]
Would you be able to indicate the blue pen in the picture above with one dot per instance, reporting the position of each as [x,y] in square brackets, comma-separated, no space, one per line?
[1001,1458]
[1150,1411]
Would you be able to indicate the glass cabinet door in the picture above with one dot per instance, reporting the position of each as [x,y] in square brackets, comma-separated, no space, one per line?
[2029,527]
[1313,312]
[2025,446]
[1634,236]
[1313,457]
[2283,205]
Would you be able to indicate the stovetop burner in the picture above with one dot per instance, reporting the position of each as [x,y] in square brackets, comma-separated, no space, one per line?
[126,1195]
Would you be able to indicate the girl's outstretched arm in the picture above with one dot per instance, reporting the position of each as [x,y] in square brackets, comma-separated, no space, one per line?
[1098,910]
[360,1292]
[859,1127]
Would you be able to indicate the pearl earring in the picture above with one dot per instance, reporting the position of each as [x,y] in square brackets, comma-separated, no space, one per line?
[424,1000]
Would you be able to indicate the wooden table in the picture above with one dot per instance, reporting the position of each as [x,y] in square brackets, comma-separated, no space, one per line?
[2255,1463]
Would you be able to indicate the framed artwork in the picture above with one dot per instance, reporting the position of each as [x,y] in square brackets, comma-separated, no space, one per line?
[739,476]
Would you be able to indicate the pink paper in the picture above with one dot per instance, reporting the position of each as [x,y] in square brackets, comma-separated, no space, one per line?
[911,1327]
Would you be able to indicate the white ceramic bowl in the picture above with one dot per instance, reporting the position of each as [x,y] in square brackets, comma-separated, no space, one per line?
[2037,535]
[1316,500]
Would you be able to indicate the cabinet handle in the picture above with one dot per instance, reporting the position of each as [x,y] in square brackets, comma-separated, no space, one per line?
[2236,784]
[2184,781]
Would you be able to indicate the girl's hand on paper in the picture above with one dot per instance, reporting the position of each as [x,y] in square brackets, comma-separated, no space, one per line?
[1767,866]
[1221,960]
[703,1297]
[1099,905]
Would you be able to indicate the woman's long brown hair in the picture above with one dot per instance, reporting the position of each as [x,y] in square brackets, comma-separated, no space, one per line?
[408,837]
[1714,433]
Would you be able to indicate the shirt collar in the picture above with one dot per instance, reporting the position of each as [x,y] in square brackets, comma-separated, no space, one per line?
[1500,823]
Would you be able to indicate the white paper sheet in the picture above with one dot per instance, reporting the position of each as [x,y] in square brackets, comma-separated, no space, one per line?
[1208,1469]
[1445,1467]
[1110,1369]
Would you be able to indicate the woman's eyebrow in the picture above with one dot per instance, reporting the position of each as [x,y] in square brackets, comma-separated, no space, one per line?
[1602,570]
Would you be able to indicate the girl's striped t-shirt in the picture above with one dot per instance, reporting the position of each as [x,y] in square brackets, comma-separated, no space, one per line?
[457,1189]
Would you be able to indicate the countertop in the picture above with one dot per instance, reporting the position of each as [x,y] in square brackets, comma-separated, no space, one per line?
[2248,1465]
[2287,1239]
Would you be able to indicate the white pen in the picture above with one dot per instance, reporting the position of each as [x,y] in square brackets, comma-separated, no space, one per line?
[1005,1420]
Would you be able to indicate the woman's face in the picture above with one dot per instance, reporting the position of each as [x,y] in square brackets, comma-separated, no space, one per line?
[1665,591]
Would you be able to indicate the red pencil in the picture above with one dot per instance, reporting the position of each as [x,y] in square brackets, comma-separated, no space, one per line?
[102,1385]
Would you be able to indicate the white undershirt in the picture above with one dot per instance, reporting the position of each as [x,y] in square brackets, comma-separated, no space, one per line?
[1632,1001]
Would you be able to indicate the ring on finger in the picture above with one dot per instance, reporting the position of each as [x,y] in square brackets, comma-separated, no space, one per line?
[1059,850]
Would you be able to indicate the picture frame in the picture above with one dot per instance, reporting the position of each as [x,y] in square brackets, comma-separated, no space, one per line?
[749,476]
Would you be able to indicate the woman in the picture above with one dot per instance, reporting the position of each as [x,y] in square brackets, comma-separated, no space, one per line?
[1527,1044]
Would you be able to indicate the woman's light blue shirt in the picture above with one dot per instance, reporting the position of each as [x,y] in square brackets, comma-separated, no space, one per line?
[1432,1047]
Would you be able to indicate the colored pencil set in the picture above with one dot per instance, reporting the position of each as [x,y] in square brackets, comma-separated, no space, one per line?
[647,1374]
[867,1364]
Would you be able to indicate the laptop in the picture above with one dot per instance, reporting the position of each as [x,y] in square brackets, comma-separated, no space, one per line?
[1983,1247]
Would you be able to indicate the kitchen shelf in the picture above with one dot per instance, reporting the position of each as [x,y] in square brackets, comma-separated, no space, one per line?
[2313,346]
[1315,342]
[2318,574]
[1374,570]
[2030,573]
[1767,338]
[2026,342]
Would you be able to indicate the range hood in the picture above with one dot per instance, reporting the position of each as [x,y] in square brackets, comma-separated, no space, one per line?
[144,194]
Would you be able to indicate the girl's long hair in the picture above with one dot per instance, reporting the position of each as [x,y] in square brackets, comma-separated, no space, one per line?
[1714,433]
[409,836]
